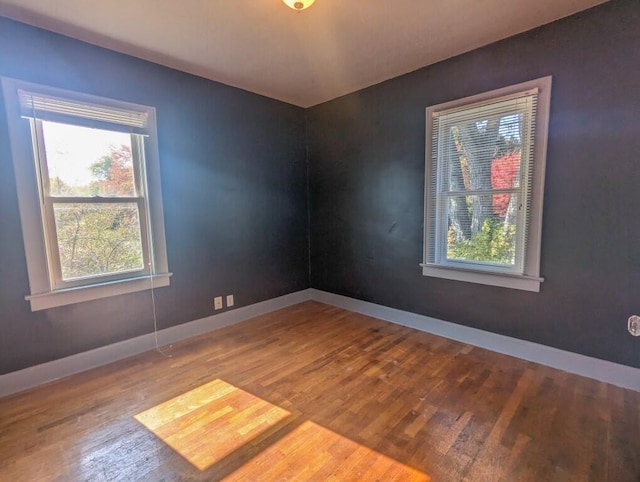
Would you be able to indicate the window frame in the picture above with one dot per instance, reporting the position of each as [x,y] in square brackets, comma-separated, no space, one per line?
[47,289]
[524,277]
[49,201]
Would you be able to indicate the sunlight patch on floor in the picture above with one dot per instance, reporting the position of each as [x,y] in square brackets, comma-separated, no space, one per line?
[208,423]
[312,452]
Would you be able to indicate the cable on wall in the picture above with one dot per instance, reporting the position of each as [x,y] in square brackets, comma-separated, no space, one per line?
[155,316]
[152,269]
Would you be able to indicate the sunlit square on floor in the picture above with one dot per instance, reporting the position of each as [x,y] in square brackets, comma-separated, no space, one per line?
[312,452]
[212,421]
[208,423]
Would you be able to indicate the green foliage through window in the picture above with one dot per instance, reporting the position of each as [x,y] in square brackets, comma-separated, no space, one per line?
[494,243]
[96,239]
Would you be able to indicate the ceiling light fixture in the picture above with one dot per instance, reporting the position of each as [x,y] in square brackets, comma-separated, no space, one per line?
[298,4]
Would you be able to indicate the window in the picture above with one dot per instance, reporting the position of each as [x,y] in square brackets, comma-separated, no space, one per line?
[89,194]
[485,162]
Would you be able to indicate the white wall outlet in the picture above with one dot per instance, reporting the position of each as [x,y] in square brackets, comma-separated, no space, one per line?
[229,301]
[217,302]
[634,325]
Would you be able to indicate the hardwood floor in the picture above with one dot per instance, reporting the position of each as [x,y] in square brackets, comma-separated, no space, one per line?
[314,392]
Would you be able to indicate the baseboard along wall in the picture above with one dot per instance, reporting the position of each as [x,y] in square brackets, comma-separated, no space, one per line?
[37,375]
[602,370]
[605,371]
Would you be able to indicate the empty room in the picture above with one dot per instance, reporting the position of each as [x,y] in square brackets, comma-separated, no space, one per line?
[274,240]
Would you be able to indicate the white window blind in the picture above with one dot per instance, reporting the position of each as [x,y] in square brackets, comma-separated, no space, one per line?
[484,178]
[468,145]
[45,107]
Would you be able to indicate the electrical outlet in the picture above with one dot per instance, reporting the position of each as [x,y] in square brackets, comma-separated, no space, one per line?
[229,301]
[634,325]
[217,302]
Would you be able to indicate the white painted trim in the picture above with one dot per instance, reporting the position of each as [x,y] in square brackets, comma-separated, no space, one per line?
[82,293]
[614,373]
[40,266]
[605,371]
[432,245]
[30,377]
[527,283]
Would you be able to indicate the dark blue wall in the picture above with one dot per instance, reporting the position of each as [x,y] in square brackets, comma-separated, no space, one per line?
[233,167]
[366,159]
[234,177]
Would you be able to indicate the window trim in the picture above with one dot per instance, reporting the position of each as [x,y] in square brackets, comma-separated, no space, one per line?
[530,280]
[43,292]
[48,206]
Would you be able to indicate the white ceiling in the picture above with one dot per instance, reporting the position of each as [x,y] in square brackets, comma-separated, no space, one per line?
[333,48]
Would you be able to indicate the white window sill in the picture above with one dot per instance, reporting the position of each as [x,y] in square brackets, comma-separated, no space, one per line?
[517,282]
[67,296]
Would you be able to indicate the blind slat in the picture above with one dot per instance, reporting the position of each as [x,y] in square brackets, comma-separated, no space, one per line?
[45,107]
[514,98]
[482,156]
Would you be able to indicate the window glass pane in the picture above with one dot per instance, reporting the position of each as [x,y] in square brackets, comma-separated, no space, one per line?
[88,162]
[484,153]
[482,228]
[98,238]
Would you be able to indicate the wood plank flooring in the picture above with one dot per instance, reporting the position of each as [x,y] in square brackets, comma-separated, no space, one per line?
[313,392]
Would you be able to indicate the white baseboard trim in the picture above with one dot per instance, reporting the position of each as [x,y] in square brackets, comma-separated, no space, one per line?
[36,375]
[613,373]
[605,371]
